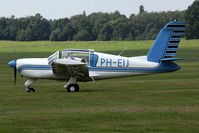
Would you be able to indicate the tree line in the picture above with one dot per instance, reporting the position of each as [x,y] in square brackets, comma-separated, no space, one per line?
[98,26]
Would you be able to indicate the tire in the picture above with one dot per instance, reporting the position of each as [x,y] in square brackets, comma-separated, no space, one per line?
[31,90]
[77,88]
[73,88]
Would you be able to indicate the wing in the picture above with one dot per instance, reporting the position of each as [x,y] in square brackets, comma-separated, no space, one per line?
[66,68]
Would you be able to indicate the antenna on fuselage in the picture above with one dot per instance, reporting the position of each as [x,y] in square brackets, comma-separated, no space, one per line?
[123,51]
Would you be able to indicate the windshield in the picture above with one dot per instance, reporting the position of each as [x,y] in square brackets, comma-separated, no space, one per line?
[53,57]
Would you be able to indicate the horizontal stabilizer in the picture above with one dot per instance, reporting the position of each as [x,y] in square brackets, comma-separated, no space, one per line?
[170,59]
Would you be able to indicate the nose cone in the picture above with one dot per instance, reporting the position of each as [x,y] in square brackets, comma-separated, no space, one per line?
[12,63]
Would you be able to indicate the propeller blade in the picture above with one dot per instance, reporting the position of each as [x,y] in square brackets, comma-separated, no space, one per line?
[15,76]
[15,69]
[14,54]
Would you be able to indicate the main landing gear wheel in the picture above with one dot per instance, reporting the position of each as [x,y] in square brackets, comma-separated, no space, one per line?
[30,90]
[73,88]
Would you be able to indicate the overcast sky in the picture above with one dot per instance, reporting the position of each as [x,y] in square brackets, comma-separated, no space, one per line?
[53,9]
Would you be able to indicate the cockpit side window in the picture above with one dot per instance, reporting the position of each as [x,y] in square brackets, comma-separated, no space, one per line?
[70,56]
[78,56]
[82,55]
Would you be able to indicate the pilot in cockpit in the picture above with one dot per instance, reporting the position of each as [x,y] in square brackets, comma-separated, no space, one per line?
[69,56]
[85,60]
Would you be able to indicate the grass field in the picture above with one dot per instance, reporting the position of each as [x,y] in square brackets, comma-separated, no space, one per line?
[161,103]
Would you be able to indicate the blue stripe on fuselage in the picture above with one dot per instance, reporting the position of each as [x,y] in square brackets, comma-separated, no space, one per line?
[34,67]
[163,67]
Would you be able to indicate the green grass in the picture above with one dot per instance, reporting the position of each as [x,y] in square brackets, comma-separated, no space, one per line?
[161,103]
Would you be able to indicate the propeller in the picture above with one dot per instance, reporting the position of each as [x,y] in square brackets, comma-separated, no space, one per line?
[13,64]
[15,68]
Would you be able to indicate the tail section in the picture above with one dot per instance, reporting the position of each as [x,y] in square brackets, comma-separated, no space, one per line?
[167,41]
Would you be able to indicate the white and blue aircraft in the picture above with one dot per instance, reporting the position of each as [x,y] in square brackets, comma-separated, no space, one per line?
[80,65]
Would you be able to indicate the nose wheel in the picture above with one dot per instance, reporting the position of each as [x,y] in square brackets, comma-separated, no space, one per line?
[72,88]
[30,90]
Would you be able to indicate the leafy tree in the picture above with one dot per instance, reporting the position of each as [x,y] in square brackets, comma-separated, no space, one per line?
[147,25]
[141,9]
[120,29]
[10,33]
[56,35]
[61,30]
[83,35]
[40,28]
[79,22]
[60,23]
[105,33]
[24,35]
[8,28]
[34,28]
[115,15]
[93,18]
[99,24]
[192,18]
[68,32]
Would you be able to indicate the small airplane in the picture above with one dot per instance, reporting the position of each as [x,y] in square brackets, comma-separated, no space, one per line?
[81,65]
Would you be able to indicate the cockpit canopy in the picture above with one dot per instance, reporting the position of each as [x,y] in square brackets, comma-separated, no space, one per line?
[82,55]
[77,54]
